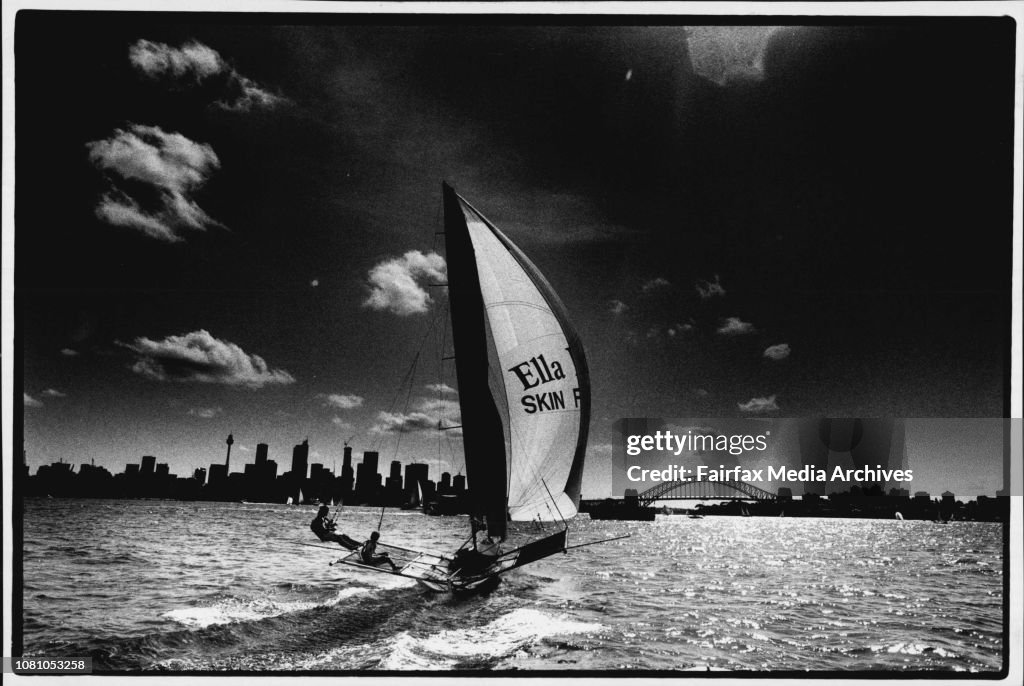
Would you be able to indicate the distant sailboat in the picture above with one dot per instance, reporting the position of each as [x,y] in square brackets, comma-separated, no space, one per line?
[899,516]
[414,500]
[524,394]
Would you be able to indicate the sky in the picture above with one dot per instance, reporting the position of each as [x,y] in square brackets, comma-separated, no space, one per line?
[227,224]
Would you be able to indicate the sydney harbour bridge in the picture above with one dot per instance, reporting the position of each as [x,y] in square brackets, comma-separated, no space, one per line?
[695,489]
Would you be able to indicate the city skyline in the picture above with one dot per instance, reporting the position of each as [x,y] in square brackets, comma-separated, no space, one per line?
[359,483]
[741,222]
[936,448]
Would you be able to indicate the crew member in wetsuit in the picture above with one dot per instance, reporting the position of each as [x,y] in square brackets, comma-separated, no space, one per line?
[324,530]
[368,553]
[478,559]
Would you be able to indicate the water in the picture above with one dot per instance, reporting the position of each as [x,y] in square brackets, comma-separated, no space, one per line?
[162,585]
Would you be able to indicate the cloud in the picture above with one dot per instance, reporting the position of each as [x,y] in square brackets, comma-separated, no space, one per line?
[734,326]
[170,165]
[395,283]
[207,413]
[54,393]
[708,289]
[442,388]
[68,352]
[617,307]
[427,415]
[191,59]
[198,357]
[32,402]
[341,401]
[340,423]
[777,352]
[246,95]
[655,284]
[756,405]
[197,63]
[678,328]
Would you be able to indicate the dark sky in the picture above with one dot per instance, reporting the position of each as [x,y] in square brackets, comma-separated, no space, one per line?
[798,221]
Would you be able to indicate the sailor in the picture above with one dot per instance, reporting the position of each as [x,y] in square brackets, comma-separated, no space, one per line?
[476,523]
[324,530]
[368,553]
[489,547]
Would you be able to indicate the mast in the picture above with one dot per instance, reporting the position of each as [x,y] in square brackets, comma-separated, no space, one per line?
[482,431]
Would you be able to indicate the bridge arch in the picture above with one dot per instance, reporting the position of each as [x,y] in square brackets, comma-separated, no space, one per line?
[697,489]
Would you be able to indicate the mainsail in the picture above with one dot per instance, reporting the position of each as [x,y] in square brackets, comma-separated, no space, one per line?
[524,388]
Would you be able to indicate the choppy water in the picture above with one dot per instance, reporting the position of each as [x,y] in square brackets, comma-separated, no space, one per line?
[160,585]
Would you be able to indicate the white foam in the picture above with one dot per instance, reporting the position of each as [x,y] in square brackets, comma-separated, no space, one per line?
[236,610]
[501,637]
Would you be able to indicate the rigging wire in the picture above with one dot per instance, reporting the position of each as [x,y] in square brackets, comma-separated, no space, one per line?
[407,382]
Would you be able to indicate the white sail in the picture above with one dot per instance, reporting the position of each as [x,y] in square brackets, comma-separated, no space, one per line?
[539,380]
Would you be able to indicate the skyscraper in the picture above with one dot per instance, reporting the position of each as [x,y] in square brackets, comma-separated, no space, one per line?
[347,477]
[148,464]
[415,474]
[367,478]
[261,453]
[300,460]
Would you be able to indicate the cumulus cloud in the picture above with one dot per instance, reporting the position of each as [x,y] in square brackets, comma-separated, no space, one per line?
[442,388]
[758,405]
[396,284]
[617,307]
[655,284]
[54,393]
[734,326]
[169,165]
[777,352]
[200,358]
[427,415]
[709,289]
[207,413]
[672,331]
[68,352]
[341,401]
[32,402]
[341,423]
[192,59]
[196,63]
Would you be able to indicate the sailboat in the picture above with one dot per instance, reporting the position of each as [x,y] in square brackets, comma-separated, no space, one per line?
[524,395]
[414,500]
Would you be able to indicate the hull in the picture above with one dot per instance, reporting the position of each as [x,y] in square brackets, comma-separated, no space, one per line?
[458,587]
